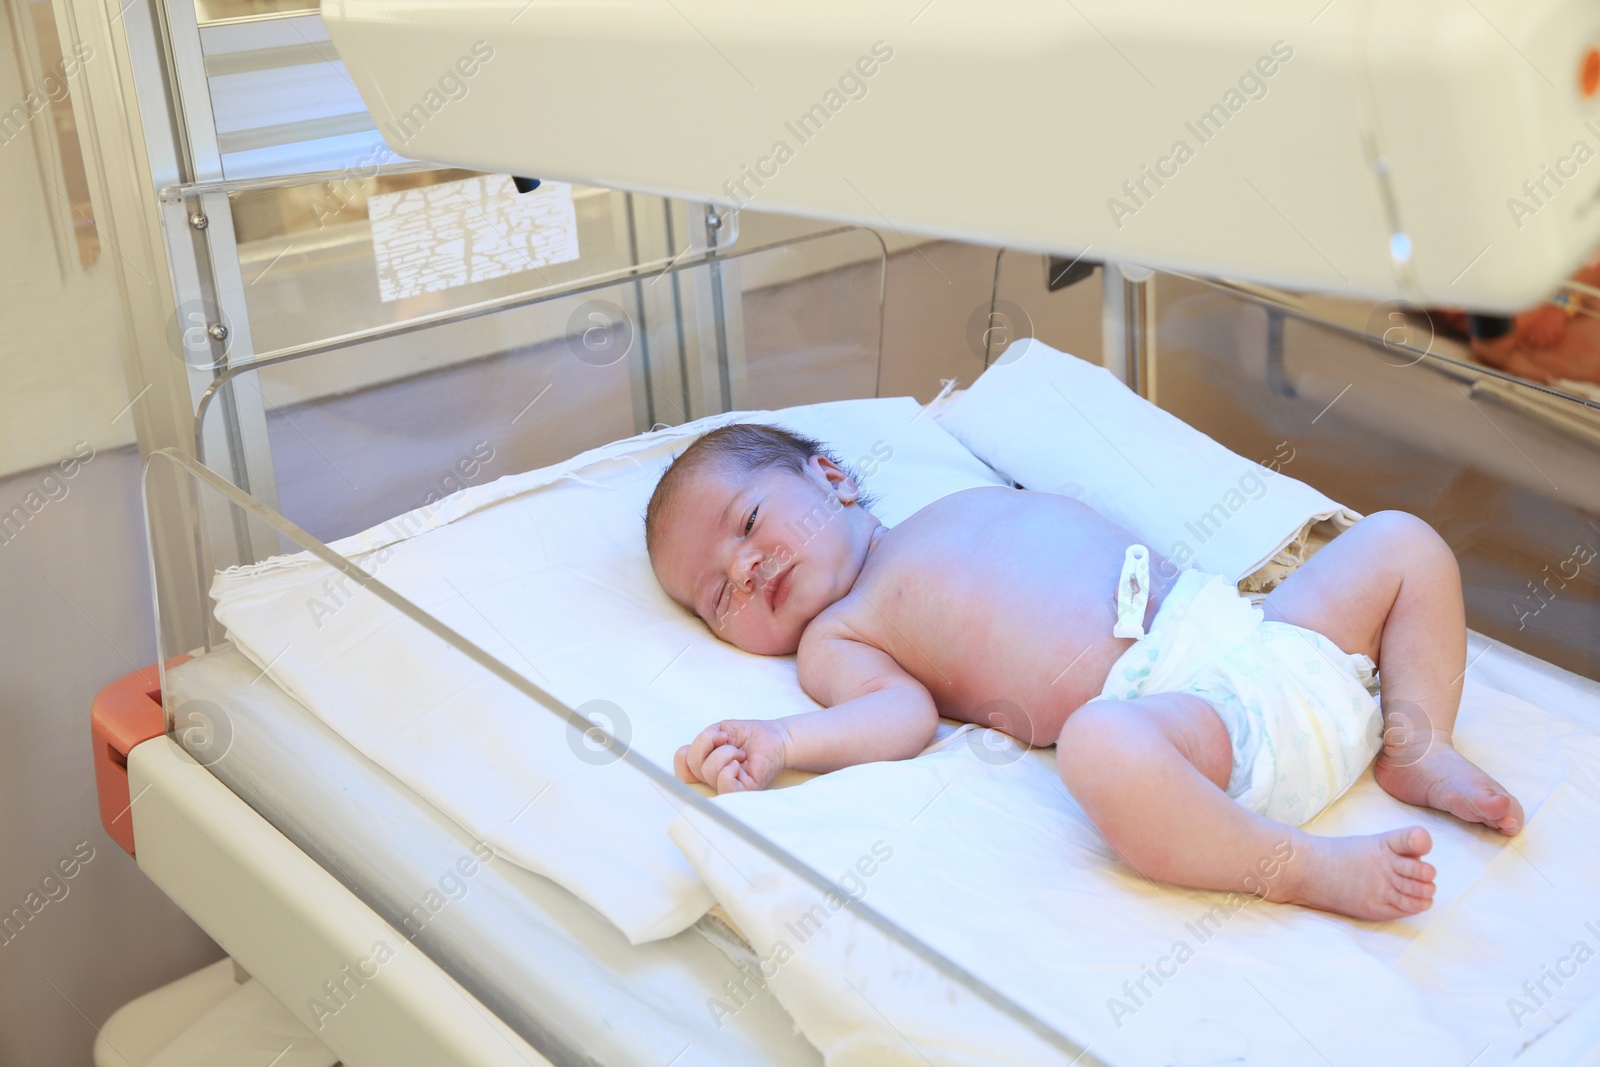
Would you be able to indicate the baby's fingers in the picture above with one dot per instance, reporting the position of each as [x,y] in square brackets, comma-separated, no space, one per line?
[734,778]
[702,746]
[680,766]
[716,765]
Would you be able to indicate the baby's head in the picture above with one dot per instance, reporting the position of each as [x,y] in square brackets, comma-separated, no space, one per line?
[757,530]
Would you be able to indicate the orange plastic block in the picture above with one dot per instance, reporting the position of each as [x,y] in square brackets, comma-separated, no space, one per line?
[124,714]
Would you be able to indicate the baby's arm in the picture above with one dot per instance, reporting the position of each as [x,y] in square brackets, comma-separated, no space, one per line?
[875,711]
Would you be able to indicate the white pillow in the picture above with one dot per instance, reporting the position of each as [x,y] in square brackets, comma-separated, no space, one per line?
[1060,424]
[547,571]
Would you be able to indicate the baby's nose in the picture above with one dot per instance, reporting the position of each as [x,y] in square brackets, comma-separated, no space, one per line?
[747,569]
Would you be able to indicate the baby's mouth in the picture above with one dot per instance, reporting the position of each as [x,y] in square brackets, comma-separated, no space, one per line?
[776,589]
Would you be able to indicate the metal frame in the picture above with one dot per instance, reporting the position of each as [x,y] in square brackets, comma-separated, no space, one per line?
[709,356]
[1128,320]
[1127,325]
[994,299]
[203,255]
[1281,306]
[715,366]
[714,385]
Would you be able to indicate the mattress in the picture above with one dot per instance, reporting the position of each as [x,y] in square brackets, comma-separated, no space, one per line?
[547,964]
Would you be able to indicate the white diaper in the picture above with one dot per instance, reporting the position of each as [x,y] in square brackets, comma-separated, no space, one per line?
[1301,713]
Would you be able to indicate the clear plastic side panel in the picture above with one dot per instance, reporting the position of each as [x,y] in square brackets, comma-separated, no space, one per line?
[1389,407]
[468,717]
[359,434]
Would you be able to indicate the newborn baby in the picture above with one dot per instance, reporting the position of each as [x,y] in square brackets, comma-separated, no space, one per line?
[1195,749]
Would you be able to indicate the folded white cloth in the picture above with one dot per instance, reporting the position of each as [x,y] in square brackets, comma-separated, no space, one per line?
[1054,422]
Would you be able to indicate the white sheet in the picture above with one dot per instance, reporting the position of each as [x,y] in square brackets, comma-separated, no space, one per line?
[994,865]
[547,571]
[1056,423]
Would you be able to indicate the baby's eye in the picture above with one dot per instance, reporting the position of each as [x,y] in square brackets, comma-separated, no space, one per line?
[751,521]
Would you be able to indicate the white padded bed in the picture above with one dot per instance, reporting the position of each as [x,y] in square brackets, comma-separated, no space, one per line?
[577,990]
[978,875]
[551,967]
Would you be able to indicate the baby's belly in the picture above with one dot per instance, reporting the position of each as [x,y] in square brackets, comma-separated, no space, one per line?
[1024,672]
[1001,603]
[1030,682]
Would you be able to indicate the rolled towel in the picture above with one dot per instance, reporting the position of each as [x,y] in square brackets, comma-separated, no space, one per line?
[1053,422]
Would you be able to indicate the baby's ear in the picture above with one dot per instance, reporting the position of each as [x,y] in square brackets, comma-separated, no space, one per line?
[838,478]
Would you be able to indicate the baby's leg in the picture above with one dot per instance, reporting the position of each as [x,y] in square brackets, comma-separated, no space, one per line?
[1389,588]
[1150,773]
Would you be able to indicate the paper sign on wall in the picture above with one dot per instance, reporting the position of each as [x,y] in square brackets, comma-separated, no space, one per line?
[457,233]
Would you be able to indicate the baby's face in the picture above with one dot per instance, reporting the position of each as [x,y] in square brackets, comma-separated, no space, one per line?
[759,556]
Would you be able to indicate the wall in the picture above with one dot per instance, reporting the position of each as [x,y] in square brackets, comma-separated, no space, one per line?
[77,600]
[61,330]
[75,591]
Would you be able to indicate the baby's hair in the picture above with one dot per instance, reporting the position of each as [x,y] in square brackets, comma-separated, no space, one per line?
[743,448]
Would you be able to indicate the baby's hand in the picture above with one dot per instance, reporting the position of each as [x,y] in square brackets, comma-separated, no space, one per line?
[734,755]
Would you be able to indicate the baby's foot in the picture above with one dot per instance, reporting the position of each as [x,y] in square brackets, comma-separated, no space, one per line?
[1445,780]
[1376,877]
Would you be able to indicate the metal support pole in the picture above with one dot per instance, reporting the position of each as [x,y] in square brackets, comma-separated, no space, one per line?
[1128,326]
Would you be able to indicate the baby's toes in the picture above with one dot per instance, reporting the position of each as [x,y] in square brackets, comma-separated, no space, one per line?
[1411,842]
[1414,870]
[1472,797]
[1412,880]
[1408,903]
[1492,803]
[1496,808]
[1511,822]
[1413,887]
